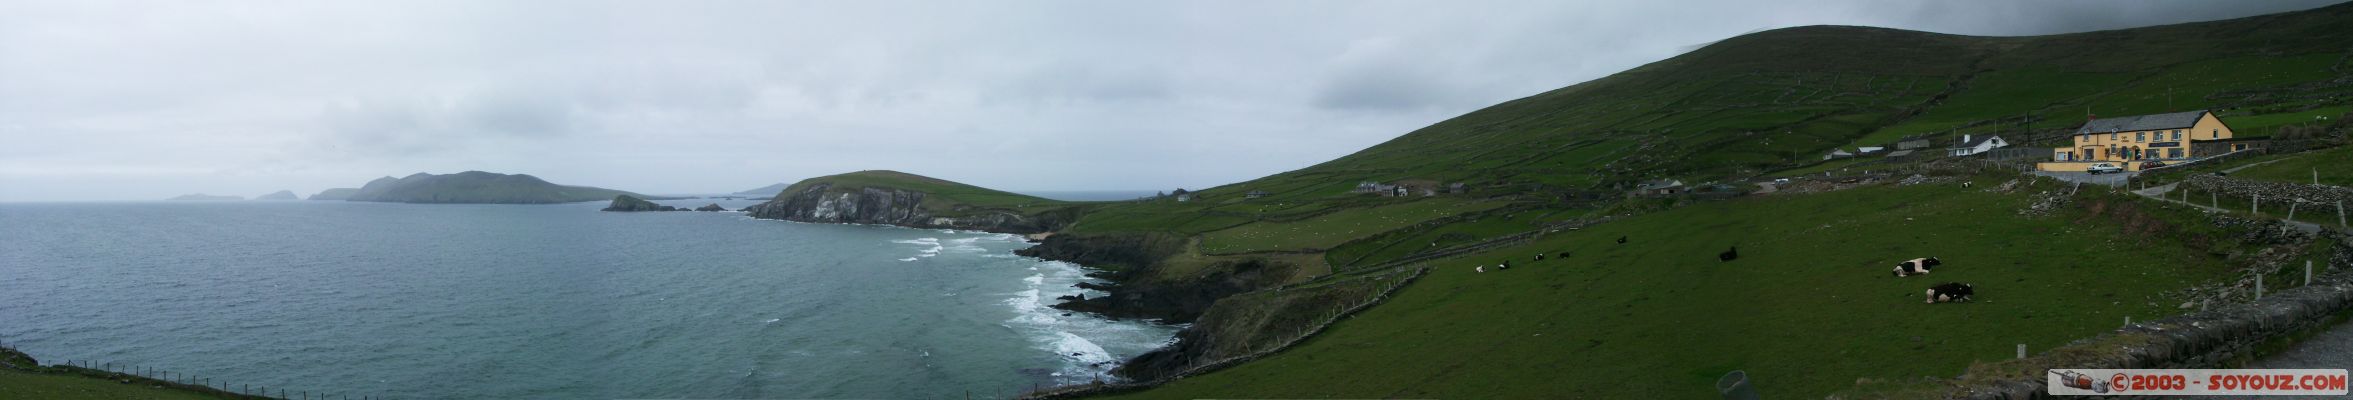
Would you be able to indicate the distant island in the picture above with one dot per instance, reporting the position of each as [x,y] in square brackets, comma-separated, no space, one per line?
[769,190]
[279,195]
[335,194]
[904,199]
[477,187]
[204,197]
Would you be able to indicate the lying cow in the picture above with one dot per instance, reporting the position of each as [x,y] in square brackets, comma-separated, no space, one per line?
[1950,291]
[1916,266]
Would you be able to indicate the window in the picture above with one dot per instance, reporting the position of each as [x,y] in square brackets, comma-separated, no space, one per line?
[2111,135]
[2173,153]
[2177,134]
[2214,134]
[2140,136]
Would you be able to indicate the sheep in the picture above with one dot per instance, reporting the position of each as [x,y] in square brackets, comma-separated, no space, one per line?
[1951,292]
[1480,269]
[1729,255]
[1916,266]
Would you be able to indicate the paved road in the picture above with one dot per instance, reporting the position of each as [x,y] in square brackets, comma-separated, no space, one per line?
[2332,350]
[2115,179]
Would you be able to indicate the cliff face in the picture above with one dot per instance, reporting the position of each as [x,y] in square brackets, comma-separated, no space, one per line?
[893,206]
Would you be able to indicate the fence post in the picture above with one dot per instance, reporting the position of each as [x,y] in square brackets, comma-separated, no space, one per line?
[2258,286]
[2258,207]
[2341,214]
[2021,350]
[2307,272]
[2292,209]
[2216,198]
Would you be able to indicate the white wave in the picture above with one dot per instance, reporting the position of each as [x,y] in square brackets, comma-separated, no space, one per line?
[1034,280]
[771,320]
[907,259]
[1079,348]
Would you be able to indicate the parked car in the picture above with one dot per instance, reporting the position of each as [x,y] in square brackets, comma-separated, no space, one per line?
[2152,164]
[2103,168]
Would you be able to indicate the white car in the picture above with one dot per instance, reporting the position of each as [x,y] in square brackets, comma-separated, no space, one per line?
[2103,168]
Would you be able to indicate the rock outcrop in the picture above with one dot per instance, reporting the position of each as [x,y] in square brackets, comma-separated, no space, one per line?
[279,195]
[627,203]
[713,207]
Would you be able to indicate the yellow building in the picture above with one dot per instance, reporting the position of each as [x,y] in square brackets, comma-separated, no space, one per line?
[2140,138]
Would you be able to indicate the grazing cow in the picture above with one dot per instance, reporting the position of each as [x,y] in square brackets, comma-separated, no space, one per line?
[1916,266]
[1621,240]
[1539,256]
[1951,291]
[1563,254]
[1729,255]
[1480,269]
[1503,265]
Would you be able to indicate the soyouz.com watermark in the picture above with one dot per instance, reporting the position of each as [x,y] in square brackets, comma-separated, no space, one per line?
[2195,382]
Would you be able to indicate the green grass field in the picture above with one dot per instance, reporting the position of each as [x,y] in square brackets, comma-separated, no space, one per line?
[22,385]
[2335,167]
[1807,309]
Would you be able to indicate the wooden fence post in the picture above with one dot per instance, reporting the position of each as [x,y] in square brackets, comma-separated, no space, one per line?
[2258,286]
[2258,207]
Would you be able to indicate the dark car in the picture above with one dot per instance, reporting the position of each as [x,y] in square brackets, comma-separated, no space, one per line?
[2152,164]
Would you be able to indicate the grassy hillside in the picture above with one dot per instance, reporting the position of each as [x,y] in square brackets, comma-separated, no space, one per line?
[1808,308]
[478,187]
[2334,166]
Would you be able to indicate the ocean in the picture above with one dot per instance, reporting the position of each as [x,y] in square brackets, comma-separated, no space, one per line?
[543,301]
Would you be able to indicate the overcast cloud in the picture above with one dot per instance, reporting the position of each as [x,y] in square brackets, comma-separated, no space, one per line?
[106,100]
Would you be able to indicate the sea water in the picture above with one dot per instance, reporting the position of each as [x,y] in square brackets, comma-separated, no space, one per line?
[543,301]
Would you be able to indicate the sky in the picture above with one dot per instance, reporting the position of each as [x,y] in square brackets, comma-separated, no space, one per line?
[143,100]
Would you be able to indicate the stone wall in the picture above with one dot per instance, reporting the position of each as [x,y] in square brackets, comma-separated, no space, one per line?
[2275,194]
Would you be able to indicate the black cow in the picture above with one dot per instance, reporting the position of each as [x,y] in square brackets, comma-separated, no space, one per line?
[1621,240]
[1951,291]
[1916,266]
[1729,255]
[1563,254]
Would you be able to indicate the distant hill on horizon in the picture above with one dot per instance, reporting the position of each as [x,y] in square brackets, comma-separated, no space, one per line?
[204,197]
[476,187]
[769,190]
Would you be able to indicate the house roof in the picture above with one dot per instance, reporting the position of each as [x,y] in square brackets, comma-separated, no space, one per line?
[1975,141]
[1655,184]
[1912,144]
[2142,122]
[1900,153]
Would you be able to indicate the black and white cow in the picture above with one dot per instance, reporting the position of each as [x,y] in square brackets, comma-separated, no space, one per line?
[1916,266]
[1951,291]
